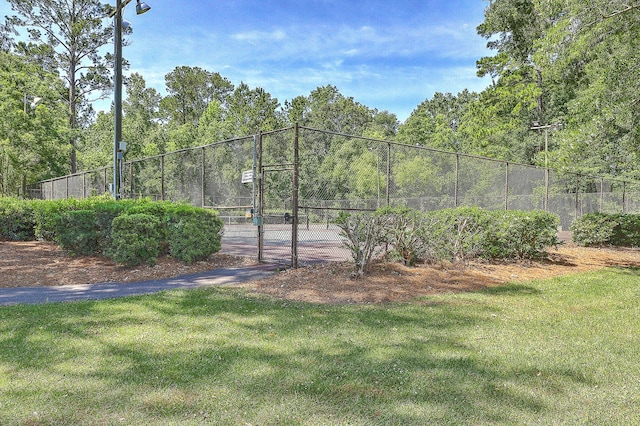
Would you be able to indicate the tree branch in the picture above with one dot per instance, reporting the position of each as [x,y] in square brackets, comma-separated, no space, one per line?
[627,9]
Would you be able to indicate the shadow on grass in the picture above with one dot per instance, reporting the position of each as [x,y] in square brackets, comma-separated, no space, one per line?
[170,356]
[511,290]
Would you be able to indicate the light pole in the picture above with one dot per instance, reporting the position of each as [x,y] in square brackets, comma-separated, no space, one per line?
[141,7]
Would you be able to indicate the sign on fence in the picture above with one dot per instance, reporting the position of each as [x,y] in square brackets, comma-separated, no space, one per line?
[247,176]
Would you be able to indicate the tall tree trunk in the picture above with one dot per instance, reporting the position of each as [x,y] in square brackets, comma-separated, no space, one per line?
[73,121]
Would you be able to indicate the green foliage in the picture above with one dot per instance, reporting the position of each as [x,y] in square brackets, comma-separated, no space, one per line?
[364,233]
[627,233]
[459,233]
[31,135]
[597,229]
[453,235]
[104,214]
[190,90]
[17,220]
[77,231]
[593,229]
[47,212]
[135,239]
[407,232]
[521,235]
[71,36]
[193,233]
[94,225]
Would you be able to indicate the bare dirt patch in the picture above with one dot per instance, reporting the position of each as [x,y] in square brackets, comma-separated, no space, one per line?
[37,264]
[29,264]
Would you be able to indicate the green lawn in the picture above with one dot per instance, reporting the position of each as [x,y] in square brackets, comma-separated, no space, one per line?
[561,351]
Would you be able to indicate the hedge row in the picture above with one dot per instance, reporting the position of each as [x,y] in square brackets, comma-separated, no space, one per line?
[455,235]
[597,229]
[129,231]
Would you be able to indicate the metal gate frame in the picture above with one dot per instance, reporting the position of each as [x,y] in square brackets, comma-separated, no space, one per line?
[259,196]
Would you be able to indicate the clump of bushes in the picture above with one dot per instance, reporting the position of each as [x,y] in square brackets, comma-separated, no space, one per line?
[451,235]
[129,231]
[135,239]
[190,233]
[598,229]
[17,220]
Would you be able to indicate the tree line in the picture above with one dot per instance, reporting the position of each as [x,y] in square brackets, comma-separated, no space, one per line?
[566,67]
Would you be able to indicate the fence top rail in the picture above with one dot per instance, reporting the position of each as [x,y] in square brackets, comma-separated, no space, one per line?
[414,146]
[77,174]
[461,154]
[193,148]
[284,129]
[380,141]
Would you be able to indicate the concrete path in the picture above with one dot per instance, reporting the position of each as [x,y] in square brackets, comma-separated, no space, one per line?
[68,293]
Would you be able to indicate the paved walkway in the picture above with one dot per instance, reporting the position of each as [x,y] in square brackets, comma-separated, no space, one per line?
[68,293]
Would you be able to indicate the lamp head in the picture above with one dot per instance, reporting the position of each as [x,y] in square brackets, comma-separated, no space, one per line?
[142,7]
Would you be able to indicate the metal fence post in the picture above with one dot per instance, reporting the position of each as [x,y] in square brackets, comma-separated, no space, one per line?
[577,194]
[202,177]
[131,186]
[260,210]
[601,195]
[162,177]
[546,188]
[506,186]
[294,199]
[456,183]
[624,196]
[388,173]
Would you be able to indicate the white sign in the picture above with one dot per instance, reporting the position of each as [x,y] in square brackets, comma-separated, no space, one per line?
[247,176]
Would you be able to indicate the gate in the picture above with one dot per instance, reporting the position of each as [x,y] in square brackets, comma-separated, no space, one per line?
[276,197]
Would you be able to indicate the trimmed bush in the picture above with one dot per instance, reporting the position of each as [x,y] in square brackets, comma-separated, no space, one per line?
[597,229]
[454,235]
[135,239]
[193,233]
[104,215]
[627,233]
[78,232]
[521,234]
[17,220]
[593,229]
[459,234]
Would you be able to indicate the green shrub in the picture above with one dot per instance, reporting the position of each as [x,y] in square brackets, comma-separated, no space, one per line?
[593,229]
[596,229]
[46,214]
[627,233]
[520,234]
[458,235]
[104,215]
[135,239]
[407,231]
[193,233]
[363,234]
[17,219]
[78,232]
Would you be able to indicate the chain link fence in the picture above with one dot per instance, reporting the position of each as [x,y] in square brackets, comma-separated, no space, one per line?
[297,180]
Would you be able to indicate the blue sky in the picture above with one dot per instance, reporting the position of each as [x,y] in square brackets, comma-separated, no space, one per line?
[386,55]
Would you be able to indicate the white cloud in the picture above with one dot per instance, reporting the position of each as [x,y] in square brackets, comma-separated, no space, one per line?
[258,36]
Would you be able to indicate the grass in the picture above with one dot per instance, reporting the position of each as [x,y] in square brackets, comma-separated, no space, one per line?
[561,351]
